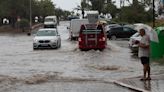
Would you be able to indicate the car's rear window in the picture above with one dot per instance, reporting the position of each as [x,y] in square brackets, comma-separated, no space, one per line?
[91,31]
[48,19]
[46,33]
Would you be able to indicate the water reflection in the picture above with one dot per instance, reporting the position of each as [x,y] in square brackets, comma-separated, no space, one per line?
[134,55]
[147,85]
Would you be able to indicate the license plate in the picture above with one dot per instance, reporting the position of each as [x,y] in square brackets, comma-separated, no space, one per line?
[44,44]
[91,39]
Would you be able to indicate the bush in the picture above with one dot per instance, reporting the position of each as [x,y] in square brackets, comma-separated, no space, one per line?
[158,23]
[23,24]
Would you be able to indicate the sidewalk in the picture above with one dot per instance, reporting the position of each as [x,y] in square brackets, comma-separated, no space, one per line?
[37,25]
[154,85]
[9,29]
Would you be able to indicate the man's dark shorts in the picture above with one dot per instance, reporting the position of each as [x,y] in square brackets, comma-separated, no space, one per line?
[145,60]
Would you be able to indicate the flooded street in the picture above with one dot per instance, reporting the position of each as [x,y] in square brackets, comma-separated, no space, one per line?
[66,69]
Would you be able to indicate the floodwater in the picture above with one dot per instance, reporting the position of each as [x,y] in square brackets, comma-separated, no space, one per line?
[66,69]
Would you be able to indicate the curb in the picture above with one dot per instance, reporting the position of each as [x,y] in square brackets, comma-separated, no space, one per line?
[130,87]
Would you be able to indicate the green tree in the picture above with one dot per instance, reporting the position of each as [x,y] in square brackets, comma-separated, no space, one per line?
[135,13]
[23,24]
[85,5]
[97,5]
[61,13]
[46,8]
[110,8]
[11,9]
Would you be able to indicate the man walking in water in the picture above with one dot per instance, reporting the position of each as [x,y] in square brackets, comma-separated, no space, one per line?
[143,53]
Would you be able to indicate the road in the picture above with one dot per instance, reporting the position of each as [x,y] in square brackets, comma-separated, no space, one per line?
[66,69]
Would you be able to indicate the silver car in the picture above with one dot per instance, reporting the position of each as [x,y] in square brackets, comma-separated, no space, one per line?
[134,41]
[48,37]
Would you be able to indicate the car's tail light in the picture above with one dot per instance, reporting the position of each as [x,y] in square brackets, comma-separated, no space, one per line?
[102,39]
[79,39]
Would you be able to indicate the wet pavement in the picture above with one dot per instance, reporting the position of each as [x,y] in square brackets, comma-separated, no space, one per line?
[156,84]
[23,70]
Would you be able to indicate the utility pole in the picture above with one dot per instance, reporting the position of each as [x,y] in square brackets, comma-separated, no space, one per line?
[82,6]
[120,3]
[120,9]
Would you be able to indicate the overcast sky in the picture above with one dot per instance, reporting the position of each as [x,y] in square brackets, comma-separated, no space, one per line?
[70,4]
[67,4]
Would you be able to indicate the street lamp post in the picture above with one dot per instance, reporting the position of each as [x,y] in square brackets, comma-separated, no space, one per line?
[153,13]
[120,10]
[30,18]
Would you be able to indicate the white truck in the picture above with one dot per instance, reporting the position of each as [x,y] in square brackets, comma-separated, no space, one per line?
[75,25]
[50,22]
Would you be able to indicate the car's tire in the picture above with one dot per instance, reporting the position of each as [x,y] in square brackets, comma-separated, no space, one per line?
[59,44]
[34,48]
[113,37]
[71,37]
[54,48]
[101,49]
[81,49]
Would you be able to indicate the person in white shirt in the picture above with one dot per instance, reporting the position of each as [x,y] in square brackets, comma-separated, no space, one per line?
[143,54]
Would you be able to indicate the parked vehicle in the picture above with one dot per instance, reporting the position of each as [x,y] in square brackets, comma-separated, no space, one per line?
[50,22]
[92,36]
[47,38]
[134,41]
[120,32]
[75,27]
[108,27]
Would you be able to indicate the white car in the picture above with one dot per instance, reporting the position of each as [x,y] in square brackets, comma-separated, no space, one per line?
[134,41]
[47,37]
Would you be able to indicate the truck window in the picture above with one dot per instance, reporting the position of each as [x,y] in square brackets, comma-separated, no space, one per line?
[48,20]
